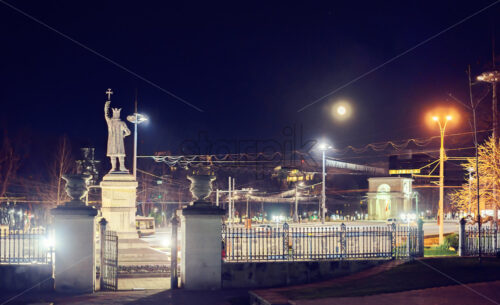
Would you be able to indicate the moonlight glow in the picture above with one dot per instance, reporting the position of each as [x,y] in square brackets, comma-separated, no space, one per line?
[341,110]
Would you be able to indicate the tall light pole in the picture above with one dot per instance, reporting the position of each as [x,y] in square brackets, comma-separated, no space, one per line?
[323,147]
[234,197]
[442,128]
[470,170]
[473,106]
[248,196]
[136,118]
[493,77]
[230,213]
[415,196]
[249,191]
[296,212]
[408,218]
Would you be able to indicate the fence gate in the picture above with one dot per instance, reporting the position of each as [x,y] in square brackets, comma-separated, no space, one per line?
[109,259]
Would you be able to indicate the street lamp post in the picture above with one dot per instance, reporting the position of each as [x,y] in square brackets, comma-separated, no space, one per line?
[470,170]
[230,199]
[473,106]
[408,218]
[295,215]
[249,192]
[492,77]
[442,156]
[323,147]
[415,195]
[234,197]
[296,212]
[136,118]
[247,207]
[323,192]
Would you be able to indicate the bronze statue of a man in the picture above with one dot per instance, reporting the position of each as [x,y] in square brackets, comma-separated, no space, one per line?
[117,130]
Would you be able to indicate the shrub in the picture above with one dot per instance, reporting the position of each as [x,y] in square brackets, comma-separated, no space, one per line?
[451,241]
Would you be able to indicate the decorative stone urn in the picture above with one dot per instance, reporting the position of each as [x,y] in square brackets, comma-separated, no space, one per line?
[201,184]
[76,188]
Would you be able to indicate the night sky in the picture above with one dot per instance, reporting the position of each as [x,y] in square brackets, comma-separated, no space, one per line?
[249,67]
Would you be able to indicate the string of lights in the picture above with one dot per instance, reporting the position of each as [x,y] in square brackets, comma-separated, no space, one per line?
[170,180]
[242,159]
[381,146]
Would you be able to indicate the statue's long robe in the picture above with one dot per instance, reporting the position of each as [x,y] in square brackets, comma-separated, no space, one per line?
[117,130]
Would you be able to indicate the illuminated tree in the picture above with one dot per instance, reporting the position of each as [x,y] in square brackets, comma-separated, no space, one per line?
[465,199]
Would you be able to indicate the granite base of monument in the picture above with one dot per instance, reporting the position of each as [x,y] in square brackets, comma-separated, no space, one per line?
[119,203]
[134,255]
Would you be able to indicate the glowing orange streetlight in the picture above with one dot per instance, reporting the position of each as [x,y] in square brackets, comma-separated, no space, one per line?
[442,157]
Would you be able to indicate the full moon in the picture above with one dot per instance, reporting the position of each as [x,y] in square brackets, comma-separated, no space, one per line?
[341,110]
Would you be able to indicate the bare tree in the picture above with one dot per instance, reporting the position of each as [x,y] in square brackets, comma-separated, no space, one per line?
[146,186]
[62,163]
[9,164]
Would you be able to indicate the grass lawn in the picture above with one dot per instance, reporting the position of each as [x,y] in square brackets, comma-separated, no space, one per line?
[409,276]
[438,251]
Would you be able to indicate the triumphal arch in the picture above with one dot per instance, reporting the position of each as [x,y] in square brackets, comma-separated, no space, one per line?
[389,197]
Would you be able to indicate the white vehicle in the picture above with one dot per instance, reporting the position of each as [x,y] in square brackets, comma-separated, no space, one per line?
[145,225]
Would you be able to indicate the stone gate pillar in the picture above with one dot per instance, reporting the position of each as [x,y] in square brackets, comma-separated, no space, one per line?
[74,239]
[201,239]
[201,247]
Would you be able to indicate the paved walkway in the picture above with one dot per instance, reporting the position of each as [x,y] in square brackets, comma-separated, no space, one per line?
[166,297]
[274,296]
[479,293]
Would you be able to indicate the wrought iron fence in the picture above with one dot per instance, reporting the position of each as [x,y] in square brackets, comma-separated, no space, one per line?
[287,243]
[489,240]
[32,246]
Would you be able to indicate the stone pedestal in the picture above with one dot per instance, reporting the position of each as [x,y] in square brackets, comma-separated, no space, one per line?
[119,208]
[119,203]
[201,246]
[74,240]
